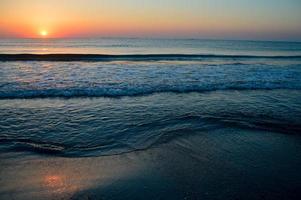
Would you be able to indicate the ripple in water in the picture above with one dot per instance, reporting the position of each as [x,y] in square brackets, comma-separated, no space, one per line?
[106,126]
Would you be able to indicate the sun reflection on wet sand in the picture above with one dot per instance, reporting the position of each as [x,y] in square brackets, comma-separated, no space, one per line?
[60,178]
[59,185]
[54,181]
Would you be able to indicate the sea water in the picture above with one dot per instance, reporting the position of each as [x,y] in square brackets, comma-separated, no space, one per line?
[135,94]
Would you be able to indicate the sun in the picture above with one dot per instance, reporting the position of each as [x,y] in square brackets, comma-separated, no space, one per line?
[43,33]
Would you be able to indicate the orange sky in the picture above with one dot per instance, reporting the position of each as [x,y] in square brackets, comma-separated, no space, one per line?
[175,18]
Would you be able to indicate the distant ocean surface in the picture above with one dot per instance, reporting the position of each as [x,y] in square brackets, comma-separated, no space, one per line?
[111,96]
[149,46]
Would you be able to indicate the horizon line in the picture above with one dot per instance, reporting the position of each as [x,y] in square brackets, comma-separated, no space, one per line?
[158,38]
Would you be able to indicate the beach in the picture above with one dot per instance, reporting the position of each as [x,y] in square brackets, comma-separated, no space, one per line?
[228,163]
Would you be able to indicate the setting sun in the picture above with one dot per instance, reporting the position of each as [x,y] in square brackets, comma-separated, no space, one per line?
[43,33]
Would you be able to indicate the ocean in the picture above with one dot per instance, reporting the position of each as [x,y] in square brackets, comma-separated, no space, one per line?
[231,109]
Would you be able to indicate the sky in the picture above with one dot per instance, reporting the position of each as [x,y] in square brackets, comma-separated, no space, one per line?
[216,19]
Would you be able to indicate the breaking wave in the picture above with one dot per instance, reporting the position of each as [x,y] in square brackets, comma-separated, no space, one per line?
[134,91]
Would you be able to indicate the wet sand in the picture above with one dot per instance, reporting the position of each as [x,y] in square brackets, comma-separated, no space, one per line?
[222,164]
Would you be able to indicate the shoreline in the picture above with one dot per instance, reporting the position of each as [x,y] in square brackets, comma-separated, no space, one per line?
[222,164]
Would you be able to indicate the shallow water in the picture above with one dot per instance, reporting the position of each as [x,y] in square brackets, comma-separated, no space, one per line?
[105,126]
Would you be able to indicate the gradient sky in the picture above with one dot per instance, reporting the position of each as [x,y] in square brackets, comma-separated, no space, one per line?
[222,19]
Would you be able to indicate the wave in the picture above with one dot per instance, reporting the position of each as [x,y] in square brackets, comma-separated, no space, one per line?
[61,149]
[19,144]
[129,57]
[165,135]
[117,92]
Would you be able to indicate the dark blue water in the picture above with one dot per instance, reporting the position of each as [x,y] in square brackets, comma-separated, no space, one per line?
[138,101]
[149,46]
